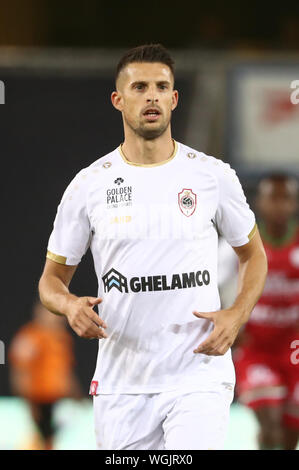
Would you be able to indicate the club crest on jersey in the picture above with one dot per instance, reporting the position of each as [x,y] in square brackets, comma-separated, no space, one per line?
[187,201]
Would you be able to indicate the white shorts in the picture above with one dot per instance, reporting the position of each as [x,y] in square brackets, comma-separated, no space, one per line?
[167,420]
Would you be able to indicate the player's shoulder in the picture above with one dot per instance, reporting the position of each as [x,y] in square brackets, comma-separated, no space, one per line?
[84,178]
[99,165]
[205,162]
[26,329]
[26,333]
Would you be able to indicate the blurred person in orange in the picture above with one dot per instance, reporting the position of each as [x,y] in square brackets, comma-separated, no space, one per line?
[265,359]
[42,361]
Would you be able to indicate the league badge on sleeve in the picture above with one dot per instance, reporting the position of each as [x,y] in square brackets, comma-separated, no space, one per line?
[187,201]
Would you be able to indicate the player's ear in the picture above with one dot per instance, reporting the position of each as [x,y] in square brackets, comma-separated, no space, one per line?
[116,100]
[175,98]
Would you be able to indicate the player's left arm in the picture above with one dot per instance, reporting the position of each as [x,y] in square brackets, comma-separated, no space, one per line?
[251,280]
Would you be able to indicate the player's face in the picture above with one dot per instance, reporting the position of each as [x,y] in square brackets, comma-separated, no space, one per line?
[277,200]
[146,98]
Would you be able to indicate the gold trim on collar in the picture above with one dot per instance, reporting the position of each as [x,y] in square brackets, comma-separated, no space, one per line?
[57,258]
[150,164]
[253,232]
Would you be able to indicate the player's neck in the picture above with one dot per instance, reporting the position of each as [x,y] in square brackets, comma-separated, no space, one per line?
[278,234]
[148,152]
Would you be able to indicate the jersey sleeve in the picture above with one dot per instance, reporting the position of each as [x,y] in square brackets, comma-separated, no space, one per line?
[71,233]
[234,218]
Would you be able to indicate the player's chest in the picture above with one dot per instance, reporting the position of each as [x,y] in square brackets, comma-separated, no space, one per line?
[152,204]
[284,260]
[283,271]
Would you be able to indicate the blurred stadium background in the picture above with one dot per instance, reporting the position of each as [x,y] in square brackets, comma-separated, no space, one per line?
[234,69]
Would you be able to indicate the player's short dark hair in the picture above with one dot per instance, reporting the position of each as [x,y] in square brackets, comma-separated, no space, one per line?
[146,53]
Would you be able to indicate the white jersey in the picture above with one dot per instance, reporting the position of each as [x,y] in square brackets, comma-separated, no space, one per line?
[153,232]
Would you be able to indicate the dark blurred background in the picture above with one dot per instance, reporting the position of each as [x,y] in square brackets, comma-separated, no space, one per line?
[192,24]
[234,62]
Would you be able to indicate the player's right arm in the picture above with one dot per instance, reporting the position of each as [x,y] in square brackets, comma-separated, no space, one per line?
[56,297]
[68,242]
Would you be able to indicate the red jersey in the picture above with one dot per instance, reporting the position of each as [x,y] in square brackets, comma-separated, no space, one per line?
[275,318]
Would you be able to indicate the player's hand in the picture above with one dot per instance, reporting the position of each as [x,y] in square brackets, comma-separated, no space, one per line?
[226,327]
[84,320]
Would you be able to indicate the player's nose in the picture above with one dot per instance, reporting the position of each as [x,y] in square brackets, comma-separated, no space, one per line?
[153,100]
[152,95]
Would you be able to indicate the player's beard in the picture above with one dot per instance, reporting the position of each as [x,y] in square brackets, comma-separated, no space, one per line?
[145,131]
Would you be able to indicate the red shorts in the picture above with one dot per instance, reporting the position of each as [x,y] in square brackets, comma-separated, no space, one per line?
[268,378]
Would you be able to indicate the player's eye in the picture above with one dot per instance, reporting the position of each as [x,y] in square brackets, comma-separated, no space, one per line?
[139,86]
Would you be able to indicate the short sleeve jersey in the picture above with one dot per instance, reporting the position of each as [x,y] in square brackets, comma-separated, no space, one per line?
[153,233]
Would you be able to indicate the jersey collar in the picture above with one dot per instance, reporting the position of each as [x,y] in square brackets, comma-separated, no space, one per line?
[146,165]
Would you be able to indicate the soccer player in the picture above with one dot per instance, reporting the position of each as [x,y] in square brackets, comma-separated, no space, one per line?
[150,211]
[266,359]
[41,357]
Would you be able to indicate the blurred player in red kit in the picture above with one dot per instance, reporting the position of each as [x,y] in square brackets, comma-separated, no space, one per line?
[265,360]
